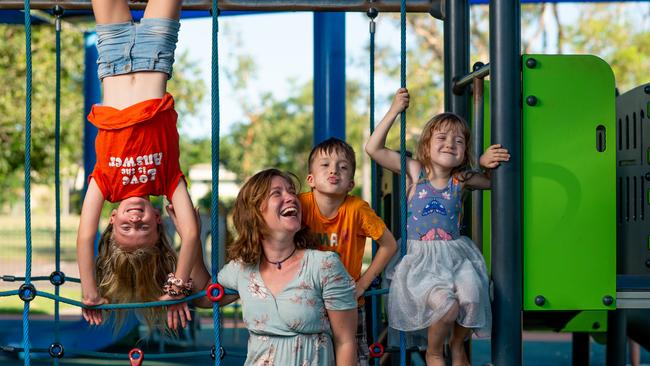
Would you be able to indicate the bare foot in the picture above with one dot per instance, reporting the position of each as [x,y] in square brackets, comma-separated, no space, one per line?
[435,359]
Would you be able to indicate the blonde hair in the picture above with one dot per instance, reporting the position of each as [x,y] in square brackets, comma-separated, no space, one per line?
[135,276]
[442,122]
[250,224]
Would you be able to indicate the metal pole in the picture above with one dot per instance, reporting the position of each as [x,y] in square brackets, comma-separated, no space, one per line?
[505,114]
[420,6]
[616,338]
[456,54]
[580,349]
[329,76]
[478,131]
[459,85]
[92,95]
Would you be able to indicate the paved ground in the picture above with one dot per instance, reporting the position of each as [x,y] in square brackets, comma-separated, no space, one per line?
[539,350]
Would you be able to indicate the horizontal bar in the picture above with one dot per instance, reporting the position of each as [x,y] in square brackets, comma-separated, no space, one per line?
[413,6]
[459,85]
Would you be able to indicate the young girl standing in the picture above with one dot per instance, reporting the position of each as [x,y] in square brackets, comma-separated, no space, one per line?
[441,283]
[137,156]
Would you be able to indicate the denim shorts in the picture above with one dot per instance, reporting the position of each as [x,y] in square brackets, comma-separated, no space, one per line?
[129,47]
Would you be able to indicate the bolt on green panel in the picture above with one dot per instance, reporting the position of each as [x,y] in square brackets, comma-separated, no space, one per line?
[589,321]
[569,186]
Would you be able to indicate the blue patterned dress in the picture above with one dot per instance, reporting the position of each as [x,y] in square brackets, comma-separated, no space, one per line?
[440,267]
[292,328]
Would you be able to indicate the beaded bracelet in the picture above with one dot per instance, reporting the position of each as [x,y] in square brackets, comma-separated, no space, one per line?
[174,286]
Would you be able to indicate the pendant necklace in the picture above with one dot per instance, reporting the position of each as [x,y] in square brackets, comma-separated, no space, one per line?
[279,263]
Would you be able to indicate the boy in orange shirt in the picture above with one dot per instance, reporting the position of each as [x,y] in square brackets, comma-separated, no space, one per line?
[342,222]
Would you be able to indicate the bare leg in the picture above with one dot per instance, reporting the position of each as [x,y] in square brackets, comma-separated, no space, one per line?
[170,9]
[111,11]
[457,345]
[121,91]
[635,353]
[436,335]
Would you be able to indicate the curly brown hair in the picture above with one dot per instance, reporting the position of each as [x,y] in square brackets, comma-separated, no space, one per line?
[135,276]
[250,224]
[444,121]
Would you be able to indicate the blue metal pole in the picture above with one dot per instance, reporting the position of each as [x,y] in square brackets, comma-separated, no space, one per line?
[329,76]
[92,95]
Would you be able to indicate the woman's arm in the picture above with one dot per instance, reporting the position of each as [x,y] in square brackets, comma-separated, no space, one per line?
[344,327]
[86,234]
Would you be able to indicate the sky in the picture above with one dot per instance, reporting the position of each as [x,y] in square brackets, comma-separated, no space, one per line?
[282,46]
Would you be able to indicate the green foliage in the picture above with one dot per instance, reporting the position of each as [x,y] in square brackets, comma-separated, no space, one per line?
[12,104]
[613,33]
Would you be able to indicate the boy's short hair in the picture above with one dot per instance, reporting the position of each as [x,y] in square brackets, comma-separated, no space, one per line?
[331,145]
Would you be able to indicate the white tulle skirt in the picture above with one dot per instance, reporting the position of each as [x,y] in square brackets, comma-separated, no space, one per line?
[431,277]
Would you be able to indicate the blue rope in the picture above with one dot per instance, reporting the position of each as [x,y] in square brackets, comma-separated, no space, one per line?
[28,146]
[9,278]
[57,180]
[214,213]
[133,305]
[373,174]
[118,356]
[402,149]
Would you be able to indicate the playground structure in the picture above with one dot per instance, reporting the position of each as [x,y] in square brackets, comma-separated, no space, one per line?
[554,276]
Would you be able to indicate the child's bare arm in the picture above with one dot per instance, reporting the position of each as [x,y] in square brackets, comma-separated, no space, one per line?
[386,249]
[188,230]
[376,145]
[491,159]
[86,234]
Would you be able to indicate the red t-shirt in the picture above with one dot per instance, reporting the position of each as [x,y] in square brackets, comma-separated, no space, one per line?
[137,149]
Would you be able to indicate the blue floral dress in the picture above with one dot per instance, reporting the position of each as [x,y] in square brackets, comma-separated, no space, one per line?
[441,267]
[292,328]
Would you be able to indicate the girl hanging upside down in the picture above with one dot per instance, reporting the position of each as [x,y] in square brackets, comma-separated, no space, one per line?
[137,156]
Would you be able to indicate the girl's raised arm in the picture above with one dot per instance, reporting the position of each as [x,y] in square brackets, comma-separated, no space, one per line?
[376,145]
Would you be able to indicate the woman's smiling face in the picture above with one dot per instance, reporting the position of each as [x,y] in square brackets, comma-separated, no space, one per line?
[281,210]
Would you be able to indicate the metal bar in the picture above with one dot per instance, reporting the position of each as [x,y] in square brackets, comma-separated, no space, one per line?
[329,76]
[92,95]
[414,6]
[478,132]
[459,85]
[616,338]
[580,349]
[507,200]
[456,53]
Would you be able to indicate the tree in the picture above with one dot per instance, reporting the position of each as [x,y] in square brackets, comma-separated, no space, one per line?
[186,86]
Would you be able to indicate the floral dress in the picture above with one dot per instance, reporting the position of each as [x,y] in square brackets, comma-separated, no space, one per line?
[292,328]
[441,267]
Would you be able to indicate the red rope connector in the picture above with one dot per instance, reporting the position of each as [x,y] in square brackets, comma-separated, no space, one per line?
[210,292]
[376,350]
[136,356]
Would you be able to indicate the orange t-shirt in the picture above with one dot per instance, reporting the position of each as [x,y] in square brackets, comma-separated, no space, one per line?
[346,232]
[137,149]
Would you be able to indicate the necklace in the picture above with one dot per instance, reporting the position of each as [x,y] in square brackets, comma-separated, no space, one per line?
[279,263]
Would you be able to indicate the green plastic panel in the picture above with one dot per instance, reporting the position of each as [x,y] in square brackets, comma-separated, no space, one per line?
[569,188]
[589,321]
